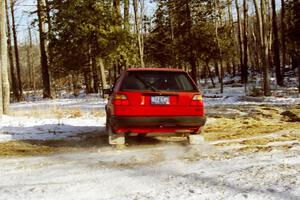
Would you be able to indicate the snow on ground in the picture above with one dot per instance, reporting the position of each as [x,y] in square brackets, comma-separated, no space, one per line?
[164,172]
[236,95]
[87,102]
[26,128]
[56,125]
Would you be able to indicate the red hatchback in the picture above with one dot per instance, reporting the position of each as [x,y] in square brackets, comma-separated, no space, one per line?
[154,100]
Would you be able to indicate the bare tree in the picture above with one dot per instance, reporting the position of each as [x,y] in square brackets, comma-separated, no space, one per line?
[217,10]
[1,96]
[17,58]
[1,39]
[232,34]
[49,24]
[267,90]
[172,27]
[239,32]
[276,52]
[31,66]
[44,59]
[261,15]
[14,81]
[244,70]
[283,38]
[4,83]
[138,25]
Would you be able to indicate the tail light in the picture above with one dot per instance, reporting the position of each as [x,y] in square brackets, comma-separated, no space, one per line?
[121,100]
[197,100]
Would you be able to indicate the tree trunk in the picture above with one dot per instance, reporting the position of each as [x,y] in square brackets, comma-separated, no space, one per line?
[91,78]
[95,74]
[283,39]
[267,90]
[87,82]
[117,14]
[239,33]
[138,21]
[171,21]
[75,84]
[103,77]
[48,9]
[233,68]
[210,75]
[44,59]
[32,75]
[244,70]
[192,56]
[14,81]
[49,23]
[269,33]
[276,61]
[5,96]
[1,96]
[298,61]
[126,15]
[261,14]
[217,71]
[20,84]
[217,10]
[232,34]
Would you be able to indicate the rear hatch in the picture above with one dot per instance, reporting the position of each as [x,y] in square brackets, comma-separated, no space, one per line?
[158,93]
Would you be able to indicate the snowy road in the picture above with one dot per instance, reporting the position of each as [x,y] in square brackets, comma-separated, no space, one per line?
[158,172]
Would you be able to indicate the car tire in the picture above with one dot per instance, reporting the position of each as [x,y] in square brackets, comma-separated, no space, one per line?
[115,139]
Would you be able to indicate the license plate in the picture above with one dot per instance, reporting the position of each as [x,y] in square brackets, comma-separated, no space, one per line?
[160,100]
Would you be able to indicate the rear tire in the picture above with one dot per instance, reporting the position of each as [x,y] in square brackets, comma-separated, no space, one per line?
[114,138]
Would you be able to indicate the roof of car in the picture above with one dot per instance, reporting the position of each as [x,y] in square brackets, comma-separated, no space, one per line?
[156,69]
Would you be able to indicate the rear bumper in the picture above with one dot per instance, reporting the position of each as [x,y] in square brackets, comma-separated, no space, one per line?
[148,123]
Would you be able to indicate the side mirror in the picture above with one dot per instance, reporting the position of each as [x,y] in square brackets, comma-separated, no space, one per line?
[107,91]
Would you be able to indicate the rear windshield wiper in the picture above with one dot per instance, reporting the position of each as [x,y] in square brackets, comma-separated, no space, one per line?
[147,84]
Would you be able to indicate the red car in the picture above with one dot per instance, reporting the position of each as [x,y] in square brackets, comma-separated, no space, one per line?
[154,100]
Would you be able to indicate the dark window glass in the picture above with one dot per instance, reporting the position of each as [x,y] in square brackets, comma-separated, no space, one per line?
[157,81]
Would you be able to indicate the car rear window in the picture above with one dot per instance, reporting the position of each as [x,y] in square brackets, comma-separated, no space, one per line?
[157,81]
